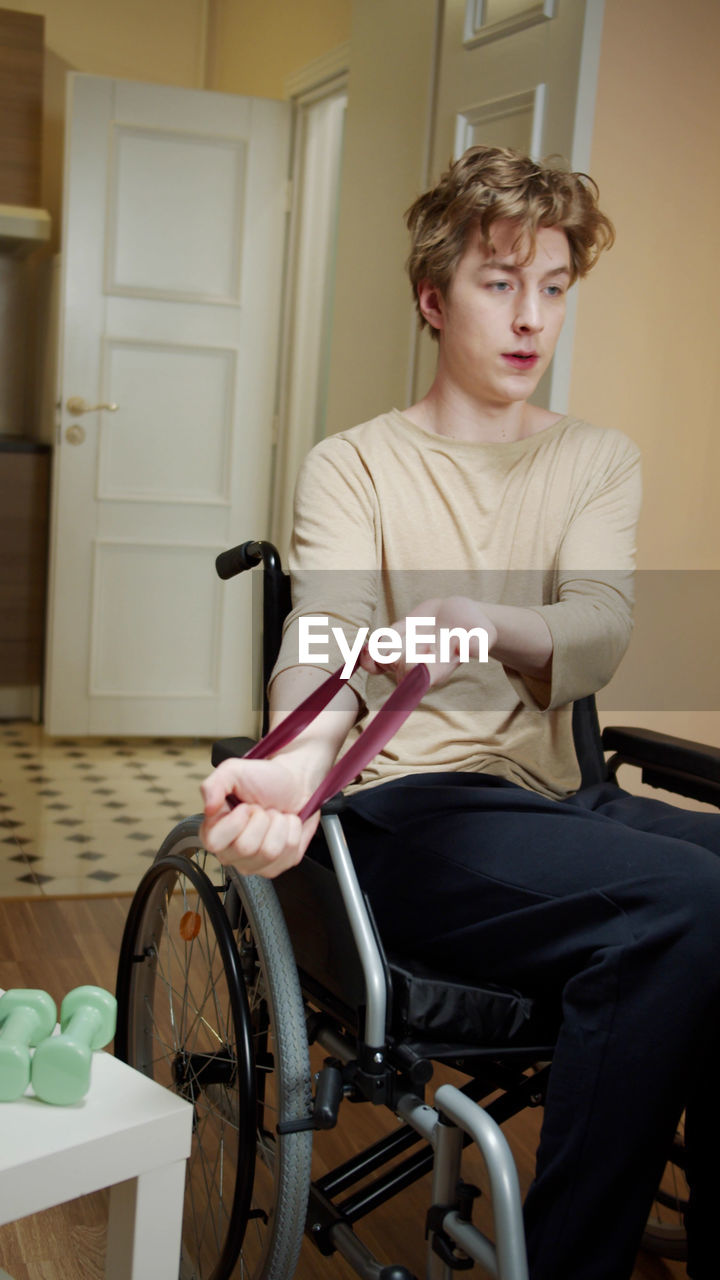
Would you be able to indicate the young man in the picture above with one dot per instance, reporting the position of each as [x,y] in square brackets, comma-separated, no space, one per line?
[478,509]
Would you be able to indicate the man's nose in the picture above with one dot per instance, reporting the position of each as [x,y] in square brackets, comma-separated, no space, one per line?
[528,314]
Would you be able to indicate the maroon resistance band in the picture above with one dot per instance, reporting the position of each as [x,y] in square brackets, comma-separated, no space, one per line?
[381,729]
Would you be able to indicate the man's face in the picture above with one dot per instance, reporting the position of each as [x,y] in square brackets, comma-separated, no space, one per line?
[501,317]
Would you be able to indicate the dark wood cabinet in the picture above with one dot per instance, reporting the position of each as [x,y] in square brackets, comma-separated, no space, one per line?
[22,37]
[24,503]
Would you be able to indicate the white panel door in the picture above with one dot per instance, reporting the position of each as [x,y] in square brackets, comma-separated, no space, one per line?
[174,223]
[513,73]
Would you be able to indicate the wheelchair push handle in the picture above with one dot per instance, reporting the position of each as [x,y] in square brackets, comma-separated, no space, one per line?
[246,556]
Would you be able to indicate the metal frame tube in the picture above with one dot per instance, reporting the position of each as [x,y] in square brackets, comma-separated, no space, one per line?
[507,1258]
[362,1261]
[445,1179]
[509,1250]
[370,958]
[504,1186]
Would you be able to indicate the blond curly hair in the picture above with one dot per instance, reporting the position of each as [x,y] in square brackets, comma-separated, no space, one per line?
[490,183]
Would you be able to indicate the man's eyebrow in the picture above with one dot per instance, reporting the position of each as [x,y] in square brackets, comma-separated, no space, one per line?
[494,264]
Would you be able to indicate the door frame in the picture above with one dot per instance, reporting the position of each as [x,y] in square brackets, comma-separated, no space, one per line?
[313,198]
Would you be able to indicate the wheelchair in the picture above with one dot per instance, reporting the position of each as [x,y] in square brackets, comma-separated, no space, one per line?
[224,981]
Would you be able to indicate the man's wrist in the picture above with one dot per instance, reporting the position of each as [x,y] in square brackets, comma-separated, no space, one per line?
[524,641]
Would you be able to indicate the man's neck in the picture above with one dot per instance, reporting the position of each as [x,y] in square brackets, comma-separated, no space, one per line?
[447,412]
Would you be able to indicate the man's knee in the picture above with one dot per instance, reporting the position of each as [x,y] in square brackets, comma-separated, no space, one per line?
[684,903]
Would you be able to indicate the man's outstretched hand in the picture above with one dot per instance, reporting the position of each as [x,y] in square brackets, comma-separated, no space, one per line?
[263,834]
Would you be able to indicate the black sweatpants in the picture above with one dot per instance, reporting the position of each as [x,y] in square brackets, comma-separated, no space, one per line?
[609,903]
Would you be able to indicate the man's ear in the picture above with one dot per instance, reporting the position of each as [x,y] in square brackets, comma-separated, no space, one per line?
[430,301]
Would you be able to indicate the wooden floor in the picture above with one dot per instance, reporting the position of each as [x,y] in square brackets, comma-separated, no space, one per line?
[57,944]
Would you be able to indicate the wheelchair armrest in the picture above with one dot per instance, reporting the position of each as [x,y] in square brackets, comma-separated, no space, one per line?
[676,764]
[336,804]
[229,748]
[646,747]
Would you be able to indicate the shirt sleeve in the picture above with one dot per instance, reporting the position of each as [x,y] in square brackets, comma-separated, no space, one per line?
[334,560]
[590,617]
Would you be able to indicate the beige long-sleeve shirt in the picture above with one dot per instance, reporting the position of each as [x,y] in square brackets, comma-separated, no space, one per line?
[388,515]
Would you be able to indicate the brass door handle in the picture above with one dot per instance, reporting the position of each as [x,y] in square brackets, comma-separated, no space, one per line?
[76,405]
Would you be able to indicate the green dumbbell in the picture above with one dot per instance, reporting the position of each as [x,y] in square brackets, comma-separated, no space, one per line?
[26,1018]
[61,1065]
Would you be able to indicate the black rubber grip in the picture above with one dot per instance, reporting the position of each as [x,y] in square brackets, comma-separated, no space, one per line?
[238,559]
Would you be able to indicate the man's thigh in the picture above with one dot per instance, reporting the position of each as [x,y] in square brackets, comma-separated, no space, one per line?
[645,813]
[467,873]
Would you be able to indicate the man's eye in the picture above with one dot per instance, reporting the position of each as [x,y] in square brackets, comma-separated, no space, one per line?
[554,291]
[501,285]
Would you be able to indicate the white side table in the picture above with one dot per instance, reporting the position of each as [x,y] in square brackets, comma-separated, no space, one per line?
[128,1134]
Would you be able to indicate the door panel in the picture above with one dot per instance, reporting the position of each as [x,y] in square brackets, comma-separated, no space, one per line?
[513,121]
[175,207]
[188,385]
[165,663]
[173,241]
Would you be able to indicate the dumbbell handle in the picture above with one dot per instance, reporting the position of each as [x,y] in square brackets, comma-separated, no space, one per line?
[62,1064]
[20,1026]
[25,1017]
[82,1025]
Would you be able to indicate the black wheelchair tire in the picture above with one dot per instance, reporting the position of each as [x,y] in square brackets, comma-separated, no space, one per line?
[176,999]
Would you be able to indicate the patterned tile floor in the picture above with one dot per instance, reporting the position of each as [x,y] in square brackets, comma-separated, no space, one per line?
[85,815]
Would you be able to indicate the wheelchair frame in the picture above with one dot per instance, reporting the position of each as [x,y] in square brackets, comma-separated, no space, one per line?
[369,1060]
[442,1127]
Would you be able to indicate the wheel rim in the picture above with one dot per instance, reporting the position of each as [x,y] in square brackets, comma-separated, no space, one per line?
[184,1021]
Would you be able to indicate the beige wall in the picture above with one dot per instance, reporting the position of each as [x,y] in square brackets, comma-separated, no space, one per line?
[255,45]
[646,345]
[160,40]
[391,59]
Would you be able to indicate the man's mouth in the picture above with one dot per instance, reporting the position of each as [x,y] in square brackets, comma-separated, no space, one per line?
[521,359]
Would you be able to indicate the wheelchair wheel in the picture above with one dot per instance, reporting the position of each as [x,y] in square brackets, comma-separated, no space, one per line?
[665,1230]
[209,1005]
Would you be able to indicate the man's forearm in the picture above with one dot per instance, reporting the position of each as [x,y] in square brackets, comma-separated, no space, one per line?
[315,750]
